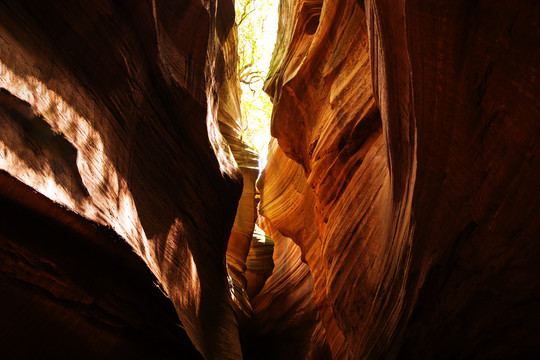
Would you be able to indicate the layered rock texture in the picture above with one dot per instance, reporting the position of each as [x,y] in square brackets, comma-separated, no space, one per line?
[400,201]
[118,190]
[407,173]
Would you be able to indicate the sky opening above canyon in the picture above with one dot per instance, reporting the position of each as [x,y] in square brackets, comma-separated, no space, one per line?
[257,22]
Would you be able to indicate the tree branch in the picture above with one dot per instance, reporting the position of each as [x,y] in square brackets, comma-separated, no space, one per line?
[245,12]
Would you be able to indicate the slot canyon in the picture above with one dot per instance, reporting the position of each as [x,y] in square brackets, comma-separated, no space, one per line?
[397,217]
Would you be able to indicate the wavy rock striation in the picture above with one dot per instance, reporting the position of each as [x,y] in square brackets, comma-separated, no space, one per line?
[284,310]
[414,133]
[334,192]
[400,197]
[110,147]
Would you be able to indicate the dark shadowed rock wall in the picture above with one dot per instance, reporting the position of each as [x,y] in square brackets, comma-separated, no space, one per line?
[111,153]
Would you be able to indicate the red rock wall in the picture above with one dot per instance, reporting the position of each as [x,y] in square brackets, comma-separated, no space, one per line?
[414,128]
[466,102]
[284,312]
[328,124]
[401,189]
[109,110]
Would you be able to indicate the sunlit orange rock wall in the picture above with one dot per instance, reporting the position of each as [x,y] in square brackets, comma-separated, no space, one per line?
[414,133]
[109,114]
[326,120]
[284,310]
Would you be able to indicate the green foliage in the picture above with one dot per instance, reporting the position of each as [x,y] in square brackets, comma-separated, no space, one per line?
[257,27]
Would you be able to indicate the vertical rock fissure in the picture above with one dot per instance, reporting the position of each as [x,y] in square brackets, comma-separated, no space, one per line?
[244,121]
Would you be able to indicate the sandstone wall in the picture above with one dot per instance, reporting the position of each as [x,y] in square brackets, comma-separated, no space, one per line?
[109,118]
[400,192]
[414,130]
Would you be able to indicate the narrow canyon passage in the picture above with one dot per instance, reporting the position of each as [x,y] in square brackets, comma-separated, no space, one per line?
[392,213]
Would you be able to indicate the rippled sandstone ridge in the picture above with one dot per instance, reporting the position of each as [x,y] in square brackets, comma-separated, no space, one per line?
[400,198]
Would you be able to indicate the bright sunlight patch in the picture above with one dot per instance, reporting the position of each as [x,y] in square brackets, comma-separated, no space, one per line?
[257,28]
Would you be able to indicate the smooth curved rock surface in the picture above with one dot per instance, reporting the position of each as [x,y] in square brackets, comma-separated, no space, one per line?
[335,192]
[259,262]
[284,313]
[415,129]
[110,110]
[400,194]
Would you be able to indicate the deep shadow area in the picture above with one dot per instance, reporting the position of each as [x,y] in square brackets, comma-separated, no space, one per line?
[74,289]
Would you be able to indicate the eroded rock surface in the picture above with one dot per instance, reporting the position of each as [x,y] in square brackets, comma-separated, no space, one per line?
[400,193]
[109,112]
[414,130]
